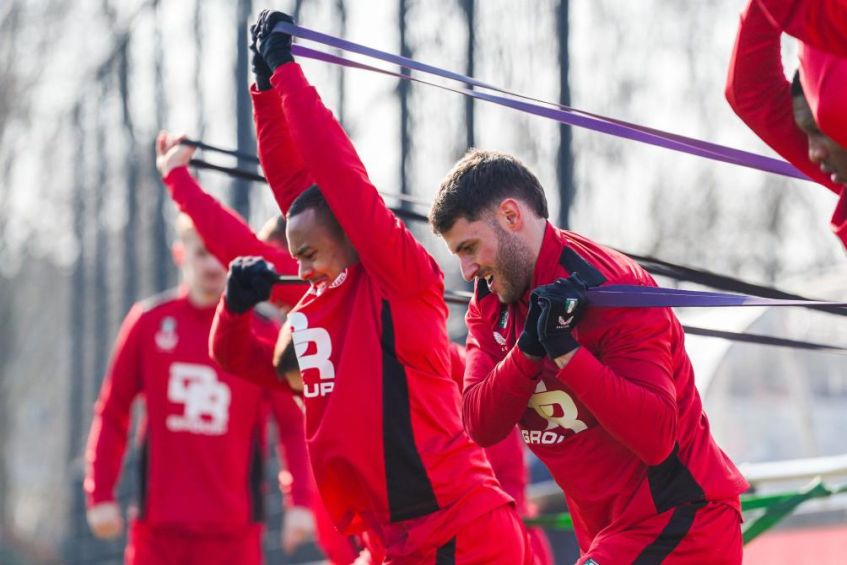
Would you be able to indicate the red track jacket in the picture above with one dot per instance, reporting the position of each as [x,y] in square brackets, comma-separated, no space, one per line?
[621,426]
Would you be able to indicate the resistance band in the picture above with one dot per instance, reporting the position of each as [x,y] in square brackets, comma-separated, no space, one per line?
[560,113]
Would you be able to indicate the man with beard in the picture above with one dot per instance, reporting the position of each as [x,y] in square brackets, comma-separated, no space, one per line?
[605,397]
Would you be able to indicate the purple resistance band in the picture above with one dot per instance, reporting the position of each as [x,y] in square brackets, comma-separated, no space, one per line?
[562,114]
[632,296]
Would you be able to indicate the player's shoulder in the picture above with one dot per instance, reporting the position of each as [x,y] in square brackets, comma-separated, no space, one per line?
[159,303]
[599,265]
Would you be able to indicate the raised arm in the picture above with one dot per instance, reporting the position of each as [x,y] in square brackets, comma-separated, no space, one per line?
[821,23]
[224,233]
[280,158]
[387,249]
[759,93]
[110,427]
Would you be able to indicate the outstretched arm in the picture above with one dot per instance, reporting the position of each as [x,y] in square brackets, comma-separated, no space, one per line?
[225,234]
[240,351]
[386,248]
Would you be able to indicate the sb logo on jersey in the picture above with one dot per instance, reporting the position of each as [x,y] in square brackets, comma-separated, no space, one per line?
[206,400]
[316,357]
[558,414]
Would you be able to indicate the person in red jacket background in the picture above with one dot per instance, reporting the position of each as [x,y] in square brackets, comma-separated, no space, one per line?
[202,433]
[604,397]
[227,236]
[803,122]
[382,414]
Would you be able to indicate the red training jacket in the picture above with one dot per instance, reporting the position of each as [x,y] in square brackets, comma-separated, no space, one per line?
[382,414]
[821,23]
[621,426]
[203,431]
[761,96]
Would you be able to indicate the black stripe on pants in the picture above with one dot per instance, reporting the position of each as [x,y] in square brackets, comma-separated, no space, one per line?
[676,529]
[446,554]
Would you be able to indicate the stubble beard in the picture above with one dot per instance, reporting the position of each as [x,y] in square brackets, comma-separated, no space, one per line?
[514,268]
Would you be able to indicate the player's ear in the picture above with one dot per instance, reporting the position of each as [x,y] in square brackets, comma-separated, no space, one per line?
[509,215]
[178,253]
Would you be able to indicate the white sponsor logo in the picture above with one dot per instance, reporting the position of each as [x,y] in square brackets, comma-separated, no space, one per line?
[499,339]
[302,336]
[559,409]
[206,400]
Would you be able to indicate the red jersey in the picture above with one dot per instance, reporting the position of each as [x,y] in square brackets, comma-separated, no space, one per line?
[821,23]
[621,426]
[226,235]
[761,96]
[382,414]
[202,435]
[506,457]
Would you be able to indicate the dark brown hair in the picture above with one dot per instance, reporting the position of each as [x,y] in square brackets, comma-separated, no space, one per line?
[479,180]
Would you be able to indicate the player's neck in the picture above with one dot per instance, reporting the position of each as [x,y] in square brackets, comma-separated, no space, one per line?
[201,299]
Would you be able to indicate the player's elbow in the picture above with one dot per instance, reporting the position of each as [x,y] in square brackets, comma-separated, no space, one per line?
[483,431]
[660,443]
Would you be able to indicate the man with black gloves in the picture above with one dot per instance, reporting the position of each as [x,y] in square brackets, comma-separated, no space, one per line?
[383,420]
[605,397]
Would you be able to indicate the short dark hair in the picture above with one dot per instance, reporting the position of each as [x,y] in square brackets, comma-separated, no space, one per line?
[311,198]
[479,180]
[797,86]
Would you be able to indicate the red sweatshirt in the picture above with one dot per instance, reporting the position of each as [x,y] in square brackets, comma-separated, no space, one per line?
[382,413]
[820,23]
[202,436]
[759,93]
[227,236]
[507,456]
[621,426]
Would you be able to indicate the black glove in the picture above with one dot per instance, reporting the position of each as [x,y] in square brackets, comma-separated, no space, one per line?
[562,304]
[275,48]
[261,70]
[528,340]
[249,282]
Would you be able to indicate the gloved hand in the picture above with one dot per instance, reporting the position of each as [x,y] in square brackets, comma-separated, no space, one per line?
[528,340]
[105,520]
[261,71]
[561,306]
[275,48]
[249,282]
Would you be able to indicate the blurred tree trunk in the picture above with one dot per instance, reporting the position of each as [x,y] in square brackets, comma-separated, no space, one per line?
[564,160]
[161,249]
[79,307]
[246,139]
[100,276]
[403,94]
[130,250]
[199,93]
[469,8]
[341,8]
